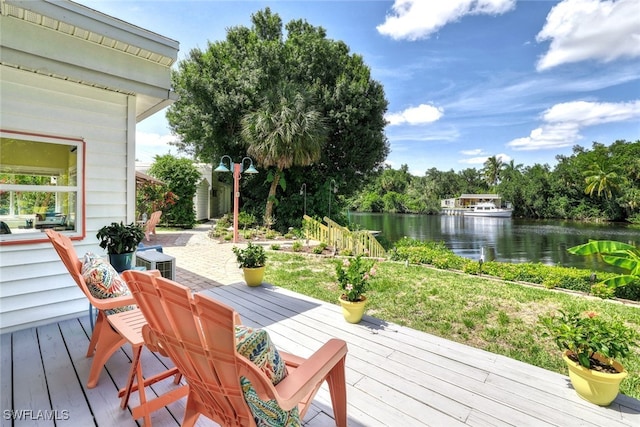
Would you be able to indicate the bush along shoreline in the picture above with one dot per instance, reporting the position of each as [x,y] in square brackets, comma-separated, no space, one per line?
[438,255]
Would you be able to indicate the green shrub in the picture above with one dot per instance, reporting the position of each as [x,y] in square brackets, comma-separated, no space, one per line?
[297,246]
[438,255]
[275,246]
[630,292]
[270,234]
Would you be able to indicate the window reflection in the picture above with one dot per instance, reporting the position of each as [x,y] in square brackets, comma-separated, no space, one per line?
[38,187]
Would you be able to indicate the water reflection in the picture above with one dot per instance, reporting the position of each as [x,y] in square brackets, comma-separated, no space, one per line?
[502,239]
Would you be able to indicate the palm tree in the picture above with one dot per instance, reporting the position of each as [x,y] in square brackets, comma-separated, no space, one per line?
[509,170]
[285,131]
[492,168]
[599,179]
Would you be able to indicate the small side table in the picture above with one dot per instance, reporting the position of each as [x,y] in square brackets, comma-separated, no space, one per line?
[129,324]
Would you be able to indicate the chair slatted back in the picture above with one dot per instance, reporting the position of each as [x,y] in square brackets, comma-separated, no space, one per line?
[210,370]
[150,226]
[198,334]
[67,253]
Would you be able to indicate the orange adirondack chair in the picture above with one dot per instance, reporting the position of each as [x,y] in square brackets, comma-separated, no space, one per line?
[198,334]
[104,340]
[150,225]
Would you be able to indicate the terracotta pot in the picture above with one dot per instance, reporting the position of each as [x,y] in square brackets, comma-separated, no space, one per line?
[353,311]
[253,276]
[596,387]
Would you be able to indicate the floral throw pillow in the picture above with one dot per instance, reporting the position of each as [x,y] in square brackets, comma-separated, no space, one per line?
[104,281]
[255,345]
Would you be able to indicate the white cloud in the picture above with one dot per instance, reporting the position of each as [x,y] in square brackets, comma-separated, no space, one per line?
[580,30]
[504,157]
[473,160]
[423,113]
[418,19]
[481,159]
[592,113]
[564,121]
[475,152]
[149,145]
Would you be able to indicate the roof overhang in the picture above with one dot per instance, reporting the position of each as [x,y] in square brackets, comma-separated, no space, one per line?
[143,178]
[66,40]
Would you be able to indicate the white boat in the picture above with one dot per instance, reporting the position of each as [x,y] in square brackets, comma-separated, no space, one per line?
[488,209]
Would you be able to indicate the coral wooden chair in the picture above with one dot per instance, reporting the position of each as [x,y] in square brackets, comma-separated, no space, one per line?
[150,225]
[104,340]
[198,334]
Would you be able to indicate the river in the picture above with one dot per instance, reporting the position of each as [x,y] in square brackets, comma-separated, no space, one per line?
[501,239]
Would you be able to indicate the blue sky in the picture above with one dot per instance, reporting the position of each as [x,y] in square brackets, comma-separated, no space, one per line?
[465,79]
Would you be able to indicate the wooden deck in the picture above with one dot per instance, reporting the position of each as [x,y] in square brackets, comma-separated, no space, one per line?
[396,376]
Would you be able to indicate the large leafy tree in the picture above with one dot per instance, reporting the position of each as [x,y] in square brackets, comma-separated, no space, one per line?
[221,85]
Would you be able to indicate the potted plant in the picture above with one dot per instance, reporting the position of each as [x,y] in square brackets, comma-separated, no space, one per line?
[120,241]
[592,347]
[252,260]
[353,278]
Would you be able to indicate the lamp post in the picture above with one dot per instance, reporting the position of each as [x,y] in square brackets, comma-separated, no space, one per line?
[333,184]
[303,190]
[237,169]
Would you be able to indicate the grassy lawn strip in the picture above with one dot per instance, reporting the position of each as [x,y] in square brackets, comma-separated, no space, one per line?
[497,316]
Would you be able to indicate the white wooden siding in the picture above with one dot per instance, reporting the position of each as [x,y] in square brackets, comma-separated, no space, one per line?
[201,201]
[35,288]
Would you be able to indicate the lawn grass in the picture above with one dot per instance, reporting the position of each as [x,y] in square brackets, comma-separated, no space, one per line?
[494,315]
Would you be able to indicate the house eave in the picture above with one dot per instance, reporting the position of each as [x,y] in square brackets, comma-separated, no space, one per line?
[90,48]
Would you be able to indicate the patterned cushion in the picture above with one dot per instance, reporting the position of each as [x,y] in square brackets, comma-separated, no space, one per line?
[104,281]
[255,345]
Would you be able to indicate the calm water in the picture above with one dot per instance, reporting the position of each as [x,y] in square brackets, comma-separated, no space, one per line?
[501,239]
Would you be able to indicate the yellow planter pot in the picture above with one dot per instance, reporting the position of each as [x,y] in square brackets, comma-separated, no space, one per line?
[593,386]
[253,276]
[353,311]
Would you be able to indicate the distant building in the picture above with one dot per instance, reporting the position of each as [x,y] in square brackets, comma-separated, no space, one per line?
[468,201]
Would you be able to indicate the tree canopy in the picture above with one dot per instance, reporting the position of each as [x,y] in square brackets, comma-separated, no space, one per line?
[231,79]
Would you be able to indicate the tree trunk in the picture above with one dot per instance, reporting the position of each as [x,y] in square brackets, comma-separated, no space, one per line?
[268,211]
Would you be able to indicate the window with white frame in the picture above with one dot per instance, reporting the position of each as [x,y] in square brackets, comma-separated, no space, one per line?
[41,185]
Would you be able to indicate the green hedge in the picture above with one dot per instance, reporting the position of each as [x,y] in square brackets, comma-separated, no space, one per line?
[439,256]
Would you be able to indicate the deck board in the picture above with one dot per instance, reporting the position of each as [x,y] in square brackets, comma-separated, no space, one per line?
[30,385]
[58,369]
[396,376]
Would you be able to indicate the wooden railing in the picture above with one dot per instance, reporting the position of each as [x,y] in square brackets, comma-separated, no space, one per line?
[334,234]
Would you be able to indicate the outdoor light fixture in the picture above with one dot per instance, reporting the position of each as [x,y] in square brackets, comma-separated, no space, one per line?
[303,190]
[333,184]
[237,169]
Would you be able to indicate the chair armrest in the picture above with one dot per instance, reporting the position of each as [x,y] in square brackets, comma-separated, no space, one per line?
[291,359]
[111,303]
[295,386]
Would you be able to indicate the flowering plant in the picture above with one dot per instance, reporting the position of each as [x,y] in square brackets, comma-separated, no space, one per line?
[584,334]
[353,277]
